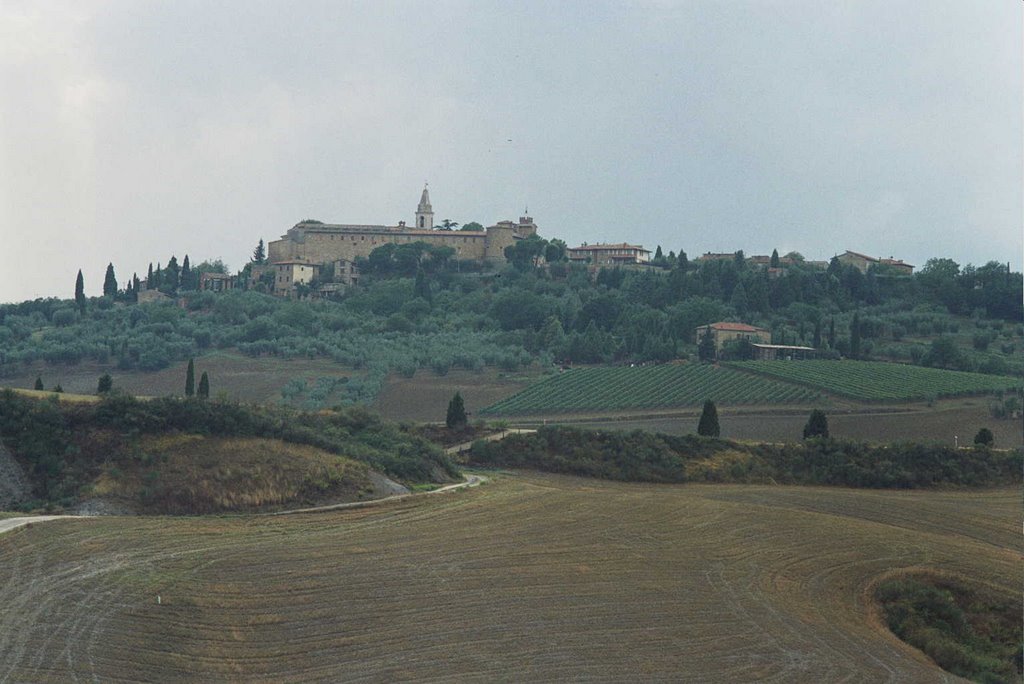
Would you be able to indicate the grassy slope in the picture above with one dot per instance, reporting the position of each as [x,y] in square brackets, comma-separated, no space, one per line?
[195,474]
[526,578]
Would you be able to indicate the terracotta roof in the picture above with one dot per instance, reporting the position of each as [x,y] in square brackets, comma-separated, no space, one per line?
[620,245]
[734,327]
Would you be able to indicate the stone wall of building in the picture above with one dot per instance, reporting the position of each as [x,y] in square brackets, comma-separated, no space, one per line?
[325,243]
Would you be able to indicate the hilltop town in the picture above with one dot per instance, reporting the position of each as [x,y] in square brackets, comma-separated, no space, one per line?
[320,259]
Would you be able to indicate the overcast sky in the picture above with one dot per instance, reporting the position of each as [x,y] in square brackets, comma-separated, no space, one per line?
[131,131]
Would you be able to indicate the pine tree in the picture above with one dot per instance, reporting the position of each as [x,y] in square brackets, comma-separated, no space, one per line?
[456,418]
[708,425]
[259,255]
[204,386]
[80,292]
[774,262]
[190,379]
[109,282]
[39,382]
[105,384]
[817,425]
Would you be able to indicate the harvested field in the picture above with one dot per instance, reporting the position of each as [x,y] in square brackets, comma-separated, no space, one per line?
[530,577]
[939,425]
[425,396]
[256,379]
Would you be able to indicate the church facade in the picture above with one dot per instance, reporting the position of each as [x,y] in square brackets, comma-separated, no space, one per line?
[326,243]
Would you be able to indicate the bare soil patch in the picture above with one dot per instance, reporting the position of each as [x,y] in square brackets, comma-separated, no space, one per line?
[529,577]
[901,423]
[425,396]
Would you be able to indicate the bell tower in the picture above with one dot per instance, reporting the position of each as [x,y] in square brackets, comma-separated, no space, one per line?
[424,212]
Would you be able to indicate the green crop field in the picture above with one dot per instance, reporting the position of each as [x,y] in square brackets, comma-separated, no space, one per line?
[648,387]
[879,381]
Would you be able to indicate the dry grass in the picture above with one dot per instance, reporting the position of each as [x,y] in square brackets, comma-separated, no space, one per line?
[195,474]
[527,578]
[62,396]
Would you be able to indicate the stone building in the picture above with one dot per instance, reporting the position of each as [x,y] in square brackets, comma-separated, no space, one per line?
[726,331]
[863,262]
[324,243]
[602,254]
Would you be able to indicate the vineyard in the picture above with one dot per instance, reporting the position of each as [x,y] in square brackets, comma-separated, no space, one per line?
[879,381]
[649,387]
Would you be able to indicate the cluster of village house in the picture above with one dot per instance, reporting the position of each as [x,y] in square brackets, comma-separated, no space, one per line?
[308,247]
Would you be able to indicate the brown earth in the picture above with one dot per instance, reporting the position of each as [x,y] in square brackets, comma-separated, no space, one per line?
[939,424]
[529,577]
[255,379]
[425,396]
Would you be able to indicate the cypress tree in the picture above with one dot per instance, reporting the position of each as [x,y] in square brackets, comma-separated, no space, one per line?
[39,382]
[708,425]
[422,286]
[109,282]
[80,292]
[855,337]
[58,388]
[149,277]
[817,334]
[832,333]
[706,347]
[204,386]
[774,263]
[186,275]
[682,263]
[658,256]
[456,418]
[190,379]
[817,425]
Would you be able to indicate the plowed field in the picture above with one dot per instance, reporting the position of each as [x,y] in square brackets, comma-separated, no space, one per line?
[526,578]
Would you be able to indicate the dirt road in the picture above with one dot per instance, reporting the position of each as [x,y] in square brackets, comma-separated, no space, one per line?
[8,524]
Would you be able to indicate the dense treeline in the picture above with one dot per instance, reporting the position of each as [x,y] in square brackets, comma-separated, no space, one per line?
[418,307]
[645,457]
[64,443]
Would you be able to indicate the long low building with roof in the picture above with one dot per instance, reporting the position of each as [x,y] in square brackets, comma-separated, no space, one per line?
[320,243]
[605,254]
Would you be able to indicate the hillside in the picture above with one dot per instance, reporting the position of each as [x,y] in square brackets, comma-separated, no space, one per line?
[200,456]
[530,577]
[315,353]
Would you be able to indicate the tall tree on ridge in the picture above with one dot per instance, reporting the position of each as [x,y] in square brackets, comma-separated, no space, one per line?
[110,282]
[80,292]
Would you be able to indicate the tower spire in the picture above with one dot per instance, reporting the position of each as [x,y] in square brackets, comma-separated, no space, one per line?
[424,212]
